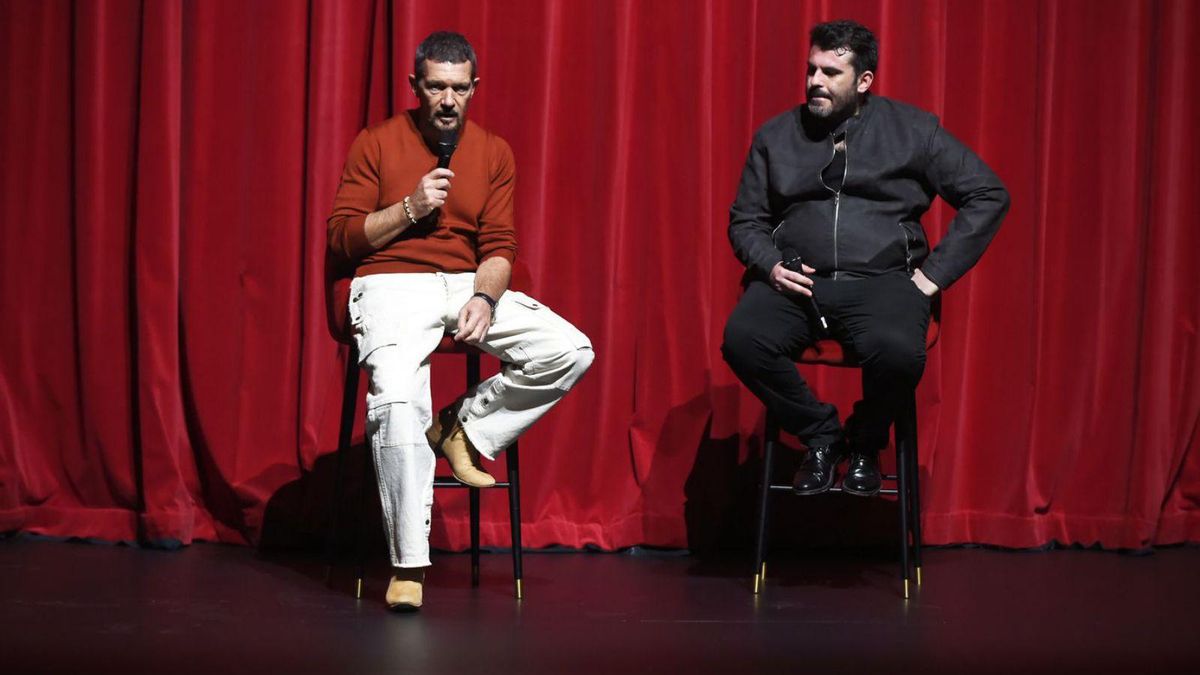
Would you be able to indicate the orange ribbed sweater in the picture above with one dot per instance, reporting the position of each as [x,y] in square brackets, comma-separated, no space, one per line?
[384,165]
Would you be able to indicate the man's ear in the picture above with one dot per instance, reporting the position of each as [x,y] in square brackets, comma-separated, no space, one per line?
[865,80]
[412,82]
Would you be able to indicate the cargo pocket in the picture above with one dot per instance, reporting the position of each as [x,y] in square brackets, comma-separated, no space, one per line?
[554,323]
[487,400]
[366,336]
[391,425]
[558,346]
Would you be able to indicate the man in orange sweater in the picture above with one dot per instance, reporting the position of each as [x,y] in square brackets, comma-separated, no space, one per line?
[434,250]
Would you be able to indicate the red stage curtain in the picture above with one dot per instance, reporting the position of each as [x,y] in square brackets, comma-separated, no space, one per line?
[166,169]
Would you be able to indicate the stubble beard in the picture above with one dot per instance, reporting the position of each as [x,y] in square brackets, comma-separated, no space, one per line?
[820,107]
[446,123]
[830,105]
[833,109]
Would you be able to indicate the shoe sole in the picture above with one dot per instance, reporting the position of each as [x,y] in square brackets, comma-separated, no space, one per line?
[858,493]
[472,485]
[814,491]
[818,490]
[437,452]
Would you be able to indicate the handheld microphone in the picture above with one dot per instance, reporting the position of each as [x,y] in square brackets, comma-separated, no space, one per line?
[446,145]
[791,261]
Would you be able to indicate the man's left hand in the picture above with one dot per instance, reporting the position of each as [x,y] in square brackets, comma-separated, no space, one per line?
[927,287]
[474,320]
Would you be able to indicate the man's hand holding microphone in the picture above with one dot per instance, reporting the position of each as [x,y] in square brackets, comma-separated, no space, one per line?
[788,277]
[430,193]
[791,282]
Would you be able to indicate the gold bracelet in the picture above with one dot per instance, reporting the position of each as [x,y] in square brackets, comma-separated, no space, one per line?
[408,211]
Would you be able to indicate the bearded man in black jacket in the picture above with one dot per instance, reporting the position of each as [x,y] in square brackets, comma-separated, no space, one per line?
[827,222]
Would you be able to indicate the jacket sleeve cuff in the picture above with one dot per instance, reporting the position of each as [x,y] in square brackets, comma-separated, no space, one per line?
[939,276]
[767,263]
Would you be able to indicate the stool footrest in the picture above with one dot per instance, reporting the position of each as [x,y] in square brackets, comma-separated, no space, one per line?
[789,488]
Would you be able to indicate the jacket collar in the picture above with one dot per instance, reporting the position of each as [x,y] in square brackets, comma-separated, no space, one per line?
[816,131]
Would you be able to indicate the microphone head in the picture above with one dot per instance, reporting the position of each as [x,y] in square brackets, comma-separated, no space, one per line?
[447,142]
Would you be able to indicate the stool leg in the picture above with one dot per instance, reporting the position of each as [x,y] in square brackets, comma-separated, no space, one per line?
[345,433]
[360,533]
[473,381]
[770,436]
[914,483]
[474,536]
[473,377]
[902,486]
[514,512]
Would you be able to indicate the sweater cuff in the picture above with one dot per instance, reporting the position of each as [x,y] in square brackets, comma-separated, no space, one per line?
[355,238]
[509,254]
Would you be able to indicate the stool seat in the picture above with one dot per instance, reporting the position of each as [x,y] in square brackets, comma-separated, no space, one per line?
[449,346]
[828,353]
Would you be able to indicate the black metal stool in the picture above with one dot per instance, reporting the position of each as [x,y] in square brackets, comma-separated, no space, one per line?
[350,399]
[907,489]
[338,277]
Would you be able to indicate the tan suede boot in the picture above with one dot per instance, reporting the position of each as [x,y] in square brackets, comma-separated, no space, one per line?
[405,590]
[447,438]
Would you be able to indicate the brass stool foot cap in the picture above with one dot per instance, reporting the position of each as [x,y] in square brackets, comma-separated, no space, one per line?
[520,595]
[918,576]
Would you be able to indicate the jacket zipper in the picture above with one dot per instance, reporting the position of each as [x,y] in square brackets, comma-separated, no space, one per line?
[837,198]
[907,250]
[776,231]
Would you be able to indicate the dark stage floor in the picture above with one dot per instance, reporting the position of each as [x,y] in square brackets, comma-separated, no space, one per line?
[222,609]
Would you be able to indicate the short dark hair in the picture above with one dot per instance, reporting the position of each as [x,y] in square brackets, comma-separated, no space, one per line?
[847,34]
[443,47]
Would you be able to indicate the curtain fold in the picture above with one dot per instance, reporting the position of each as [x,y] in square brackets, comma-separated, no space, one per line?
[166,373]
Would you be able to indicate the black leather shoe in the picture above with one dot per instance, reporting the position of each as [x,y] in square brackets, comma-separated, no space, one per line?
[816,471]
[862,476]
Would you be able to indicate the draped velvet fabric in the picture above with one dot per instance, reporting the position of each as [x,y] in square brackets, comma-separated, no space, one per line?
[167,168]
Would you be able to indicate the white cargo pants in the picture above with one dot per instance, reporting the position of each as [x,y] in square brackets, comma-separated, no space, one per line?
[398,321]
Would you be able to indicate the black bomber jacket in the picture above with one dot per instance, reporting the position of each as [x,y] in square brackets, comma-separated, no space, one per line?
[898,158]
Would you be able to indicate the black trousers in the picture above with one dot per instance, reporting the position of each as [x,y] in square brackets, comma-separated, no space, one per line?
[881,319]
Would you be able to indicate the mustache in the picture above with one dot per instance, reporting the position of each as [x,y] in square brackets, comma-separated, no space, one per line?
[816,92]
